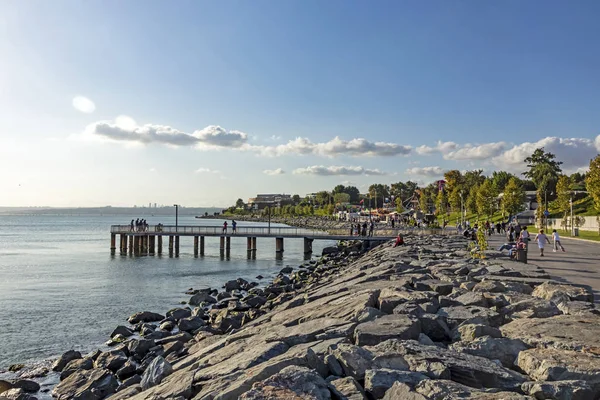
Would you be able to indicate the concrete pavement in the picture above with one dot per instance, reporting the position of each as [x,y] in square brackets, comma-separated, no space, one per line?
[580,264]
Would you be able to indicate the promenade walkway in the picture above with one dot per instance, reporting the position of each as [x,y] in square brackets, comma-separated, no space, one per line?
[579,265]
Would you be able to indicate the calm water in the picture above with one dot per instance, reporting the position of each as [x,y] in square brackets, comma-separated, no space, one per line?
[60,288]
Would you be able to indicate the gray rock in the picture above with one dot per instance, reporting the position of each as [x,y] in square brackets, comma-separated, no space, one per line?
[121,330]
[517,287]
[139,348]
[489,286]
[504,349]
[401,391]
[440,287]
[578,308]
[146,329]
[232,285]
[559,390]
[435,327]
[179,313]
[469,332]
[21,384]
[200,298]
[158,369]
[354,360]
[131,381]
[255,301]
[368,314]
[387,327]
[531,308]
[64,360]
[127,370]
[472,299]
[292,382]
[378,381]
[558,365]
[334,365]
[173,347]
[74,365]
[145,316]
[347,388]
[426,340]
[167,326]
[111,360]
[92,384]
[286,270]
[16,394]
[470,314]
[557,291]
[182,337]
[446,389]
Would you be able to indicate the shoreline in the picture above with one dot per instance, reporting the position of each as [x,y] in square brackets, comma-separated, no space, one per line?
[328,323]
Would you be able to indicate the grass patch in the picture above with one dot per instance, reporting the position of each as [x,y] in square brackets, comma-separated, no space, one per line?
[588,235]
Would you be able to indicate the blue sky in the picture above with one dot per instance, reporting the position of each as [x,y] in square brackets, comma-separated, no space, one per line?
[202,102]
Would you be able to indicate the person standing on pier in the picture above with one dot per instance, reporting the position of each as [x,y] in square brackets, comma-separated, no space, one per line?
[132,225]
[233,226]
[371,228]
[351,229]
[225,227]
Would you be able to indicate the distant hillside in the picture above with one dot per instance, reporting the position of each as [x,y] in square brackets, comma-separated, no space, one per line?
[109,210]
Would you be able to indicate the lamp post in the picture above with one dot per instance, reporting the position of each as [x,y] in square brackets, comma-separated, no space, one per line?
[462,213]
[176,217]
[571,204]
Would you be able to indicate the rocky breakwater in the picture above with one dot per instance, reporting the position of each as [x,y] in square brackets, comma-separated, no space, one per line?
[421,321]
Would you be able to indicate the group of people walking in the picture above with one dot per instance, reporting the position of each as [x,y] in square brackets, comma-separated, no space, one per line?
[233,226]
[361,230]
[139,225]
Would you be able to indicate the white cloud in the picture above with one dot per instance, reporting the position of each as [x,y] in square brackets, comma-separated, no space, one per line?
[476,152]
[575,153]
[334,147]
[152,170]
[441,147]
[206,171]
[598,143]
[277,171]
[336,170]
[83,104]
[125,129]
[426,171]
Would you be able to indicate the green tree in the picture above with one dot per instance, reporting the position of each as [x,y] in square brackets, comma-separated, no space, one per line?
[473,178]
[454,198]
[471,200]
[486,198]
[341,198]
[354,194]
[239,203]
[563,194]
[514,196]
[338,189]
[378,193]
[543,172]
[296,199]
[299,210]
[423,201]
[441,203]
[453,179]
[397,189]
[592,181]
[398,202]
[500,179]
[323,197]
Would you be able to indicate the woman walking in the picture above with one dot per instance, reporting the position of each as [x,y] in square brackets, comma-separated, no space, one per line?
[541,239]
[556,239]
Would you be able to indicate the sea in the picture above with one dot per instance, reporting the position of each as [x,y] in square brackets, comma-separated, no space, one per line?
[61,289]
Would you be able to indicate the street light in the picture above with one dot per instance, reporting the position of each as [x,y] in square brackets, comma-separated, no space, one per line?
[571,204]
[462,213]
[176,216]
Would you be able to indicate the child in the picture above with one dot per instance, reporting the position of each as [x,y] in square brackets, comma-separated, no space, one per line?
[556,239]
[541,239]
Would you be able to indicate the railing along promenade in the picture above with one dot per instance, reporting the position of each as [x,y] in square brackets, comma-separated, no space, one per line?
[149,241]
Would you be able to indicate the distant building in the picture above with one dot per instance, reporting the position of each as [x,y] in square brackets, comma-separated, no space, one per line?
[261,201]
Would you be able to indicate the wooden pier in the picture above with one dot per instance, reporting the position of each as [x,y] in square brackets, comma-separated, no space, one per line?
[150,241]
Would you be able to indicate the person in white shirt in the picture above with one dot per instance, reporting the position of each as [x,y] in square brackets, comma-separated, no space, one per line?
[541,240]
[556,239]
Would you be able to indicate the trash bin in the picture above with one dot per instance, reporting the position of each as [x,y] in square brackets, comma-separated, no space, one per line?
[575,231]
[522,255]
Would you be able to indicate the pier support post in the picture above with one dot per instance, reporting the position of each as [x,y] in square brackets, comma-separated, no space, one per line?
[151,244]
[227,246]
[170,245]
[136,245]
[113,243]
[249,246]
[308,245]
[160,245]
[145,245]
[279,245]
[195,246]
[222,246]
[123,243]
[176,246]
[201,245]
[131,244]
[254,247]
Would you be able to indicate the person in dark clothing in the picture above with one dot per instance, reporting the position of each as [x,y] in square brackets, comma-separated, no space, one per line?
[371,228]
[364,229]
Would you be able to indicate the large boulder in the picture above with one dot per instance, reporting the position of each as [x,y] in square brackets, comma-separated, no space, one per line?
[145,316]
[190,324]
[402,391]
[92,384]
[563,331]
[531,308]
[387,327]
[446,389]
[354,360]
[435,327]
[179,313]
[559,365]
[232,285]
[558,291]
[438,363]
[200,298]
[158,369]
[16,394]
[469,332]
[140,347]
[434,285]
[111,360]
[347,388]
[75,365]
[378,381]
[561,390]
[292,382]
[470,314]
[121,330]
[503,349]
[64,360]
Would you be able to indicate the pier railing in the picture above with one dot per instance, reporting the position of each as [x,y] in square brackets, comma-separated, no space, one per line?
[271,231]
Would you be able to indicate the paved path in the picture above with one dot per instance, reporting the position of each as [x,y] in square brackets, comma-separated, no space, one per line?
[580,264]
